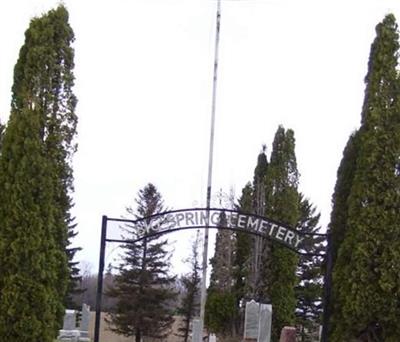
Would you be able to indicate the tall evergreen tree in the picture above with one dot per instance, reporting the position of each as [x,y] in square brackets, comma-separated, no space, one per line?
[42,114]
[189,307]
[249,249]
[28,249]
[282,205]
[345,176]
[366,280]
[261,247]
[143,287]
[309,273]
[339,217]
[43,81]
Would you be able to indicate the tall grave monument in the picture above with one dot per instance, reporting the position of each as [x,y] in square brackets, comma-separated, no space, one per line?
[257,322]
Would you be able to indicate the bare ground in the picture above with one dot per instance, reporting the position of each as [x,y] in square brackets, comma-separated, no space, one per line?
[108,336]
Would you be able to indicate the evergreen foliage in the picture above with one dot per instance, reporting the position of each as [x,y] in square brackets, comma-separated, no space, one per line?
[242,249]
[290,284]
[261,248]
[36,182]
[221,262]
[345,176]
[221,321]
[143,287]
[241,265]
[282,205]
[339,215]
[1,135]
[221,312]
[309,273]
[366,278]
[43,81]
[248,248]
[28,249]
[259,182]
[74,288]
[189,307]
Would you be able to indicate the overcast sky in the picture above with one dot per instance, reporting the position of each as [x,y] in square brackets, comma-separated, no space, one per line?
[144,84]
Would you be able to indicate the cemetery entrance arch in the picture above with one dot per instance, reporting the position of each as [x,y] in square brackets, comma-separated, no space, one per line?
[197,218]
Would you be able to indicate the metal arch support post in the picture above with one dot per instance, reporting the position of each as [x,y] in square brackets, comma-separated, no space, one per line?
[209,181]
[100,278]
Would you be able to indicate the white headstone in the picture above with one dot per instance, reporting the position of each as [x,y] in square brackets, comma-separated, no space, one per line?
[265,323]
[196,333]
[69,332]
[68,335]
[69,320]
[251,320]
[85,319]
[212,338]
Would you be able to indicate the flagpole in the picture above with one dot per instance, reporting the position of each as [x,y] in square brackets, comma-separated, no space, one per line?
[210,165]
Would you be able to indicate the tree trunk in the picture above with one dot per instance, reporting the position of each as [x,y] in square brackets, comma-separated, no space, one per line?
[138,335]
[187,325]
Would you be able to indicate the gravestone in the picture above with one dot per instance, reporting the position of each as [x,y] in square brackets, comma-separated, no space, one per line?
[69,331]
[84,326]
[288,334]
[251,321]
[212,338]
[265,323]
[69,320]
[196,333]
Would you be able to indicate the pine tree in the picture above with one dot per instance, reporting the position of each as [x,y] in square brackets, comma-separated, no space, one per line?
[143,286]
[366,280]
[75,278]
[191,282]
[282,205]
[43,81]
[309,273]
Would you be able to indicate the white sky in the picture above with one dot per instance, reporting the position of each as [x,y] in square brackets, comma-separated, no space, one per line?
[144,83]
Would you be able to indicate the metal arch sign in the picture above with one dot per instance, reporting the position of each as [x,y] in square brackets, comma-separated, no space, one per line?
[194,218]
[211,218]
